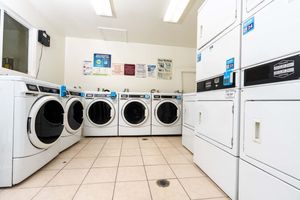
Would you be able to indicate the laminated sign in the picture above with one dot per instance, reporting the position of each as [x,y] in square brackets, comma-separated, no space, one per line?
[165,69]
[140,70]
[129,69]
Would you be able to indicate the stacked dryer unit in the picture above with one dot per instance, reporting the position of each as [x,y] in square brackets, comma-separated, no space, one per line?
[32,121]
[188,120]
[73,119]
[101,114]
[270,101]
[218,76]
[134,114]
[166,114]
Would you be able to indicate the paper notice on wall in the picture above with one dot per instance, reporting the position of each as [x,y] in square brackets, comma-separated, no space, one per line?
[129,69]
[117,69]
[102,64]
[87,67]
[140,70]
[152,71]
[165,67]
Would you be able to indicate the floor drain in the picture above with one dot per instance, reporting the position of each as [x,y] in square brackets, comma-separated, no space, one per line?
[145,139]
[163,183]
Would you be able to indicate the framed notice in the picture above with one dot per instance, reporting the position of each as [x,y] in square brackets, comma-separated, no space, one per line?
[140,71]
[117,69]
[165,68]
[152,71]
[129,69]
[102,60]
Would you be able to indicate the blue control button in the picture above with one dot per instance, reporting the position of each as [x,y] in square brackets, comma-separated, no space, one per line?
[82,94]
[63,91]
[178,97]
[147,96]
[113,95]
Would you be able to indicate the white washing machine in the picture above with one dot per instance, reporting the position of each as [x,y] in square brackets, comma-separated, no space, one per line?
[216,145]
[32,121]
[188,120]
[73,119]
[166,114]
[134,114]
[270,139]
[101,114]
[269,30]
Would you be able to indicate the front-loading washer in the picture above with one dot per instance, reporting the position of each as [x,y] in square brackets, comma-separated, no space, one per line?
[166,114]
[101,114]
[270,139]
[216,145]
[32,121]
[73,119]
[134,114]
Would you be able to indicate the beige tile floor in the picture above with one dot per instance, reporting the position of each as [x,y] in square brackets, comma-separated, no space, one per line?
[119,168]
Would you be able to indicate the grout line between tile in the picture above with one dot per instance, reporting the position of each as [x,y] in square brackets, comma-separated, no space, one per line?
[89,168]
[58,170]
[115,183]
[175,173]
[151,196]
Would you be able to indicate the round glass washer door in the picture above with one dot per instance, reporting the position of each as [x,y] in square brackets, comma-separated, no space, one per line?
[74,115]
[167,112]
[135,112]
[100,112]
[45,122]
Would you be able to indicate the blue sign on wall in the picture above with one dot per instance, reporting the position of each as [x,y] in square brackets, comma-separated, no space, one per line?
[102,60]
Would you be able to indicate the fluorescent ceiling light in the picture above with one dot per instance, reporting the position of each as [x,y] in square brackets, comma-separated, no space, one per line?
[175,10]
[102,7]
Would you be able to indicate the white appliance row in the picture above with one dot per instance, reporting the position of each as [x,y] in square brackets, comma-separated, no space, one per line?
[269,134]
[248,70]
[216,141]
[128,114]
[35,126]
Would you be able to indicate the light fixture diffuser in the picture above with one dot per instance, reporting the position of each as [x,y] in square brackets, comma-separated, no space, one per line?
[175,10]
[102,7]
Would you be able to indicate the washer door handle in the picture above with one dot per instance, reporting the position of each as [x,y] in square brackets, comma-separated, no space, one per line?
[146,113]
[111,113]
[29,125]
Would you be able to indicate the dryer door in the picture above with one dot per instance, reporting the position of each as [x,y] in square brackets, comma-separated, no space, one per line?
[45,122]
[167,113]
[135,112]
[271,134]
[74,115]
[100,112]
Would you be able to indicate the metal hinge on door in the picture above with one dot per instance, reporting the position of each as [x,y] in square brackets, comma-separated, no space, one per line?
[232,142]
[232,109]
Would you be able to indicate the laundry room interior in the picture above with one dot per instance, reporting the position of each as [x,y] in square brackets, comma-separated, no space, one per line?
[149,100]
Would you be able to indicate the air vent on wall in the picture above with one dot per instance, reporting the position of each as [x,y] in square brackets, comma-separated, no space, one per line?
[113,34]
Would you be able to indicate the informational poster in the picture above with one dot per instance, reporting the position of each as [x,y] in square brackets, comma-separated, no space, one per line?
[140,71]
[102,64]
[152,71]
[129,69]
[117,69]
[165,68]
[87,67]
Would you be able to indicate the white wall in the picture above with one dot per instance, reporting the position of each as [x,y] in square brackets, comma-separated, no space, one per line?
[52,64]
[78,50]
